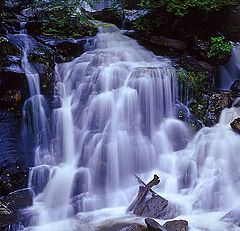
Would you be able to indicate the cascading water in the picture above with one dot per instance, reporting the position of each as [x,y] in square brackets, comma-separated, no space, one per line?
[115,117]
[230,71]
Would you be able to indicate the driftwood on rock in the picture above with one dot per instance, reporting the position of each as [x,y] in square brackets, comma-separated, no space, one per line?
[142,192]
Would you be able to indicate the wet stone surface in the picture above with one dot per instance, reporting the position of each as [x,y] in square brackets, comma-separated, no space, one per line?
[13,169]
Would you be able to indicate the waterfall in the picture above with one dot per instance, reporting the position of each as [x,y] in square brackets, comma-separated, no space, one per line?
[230,71]
[115,116]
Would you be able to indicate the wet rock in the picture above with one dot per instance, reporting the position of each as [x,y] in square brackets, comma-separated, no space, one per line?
[12,178]
[156,207]
[206,66]
[28,12]
[154,225]
[135,227]
[131,16]
[235,125]
[65,50]
[232,217]
[177,225]
[7,48]
[217,102]
[114,16]
[12,203]
[16,4]
[168,42]
[34,27]
[235,87]
[236,102]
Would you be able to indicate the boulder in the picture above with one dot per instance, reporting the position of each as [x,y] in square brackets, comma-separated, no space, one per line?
[114,16]
[176,225]
[154,225]
[206,66]
[155,207]
[235,125]
[218,101]
[168,42]
[12,204]
[235,87]
[134,227]
[232,217]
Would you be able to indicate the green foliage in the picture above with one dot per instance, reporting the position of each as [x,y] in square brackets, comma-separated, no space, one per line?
[219,48]
[66,18]
[183,7]
[199,88]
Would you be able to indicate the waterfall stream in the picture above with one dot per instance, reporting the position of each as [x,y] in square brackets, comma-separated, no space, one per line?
[115,116]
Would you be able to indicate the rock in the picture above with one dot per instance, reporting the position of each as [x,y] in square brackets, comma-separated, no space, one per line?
[230,24]
[235,125]
[232,217]
[236,102]
[65,50]
[155,207]
[114,16]
[206,66]
[12,203]
[16,5]
[7,48]
[134,227]
[12,178]
[131,16]
[168,42]
[18,200]
[235,87]
[153,225]
[177,225]
[218,101]
[34,27]
[28,13]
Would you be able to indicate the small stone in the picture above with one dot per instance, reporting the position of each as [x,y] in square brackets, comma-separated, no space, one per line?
[235,125]
[154,225]
[235,87]
[176,225]
[134,227]
[236,102]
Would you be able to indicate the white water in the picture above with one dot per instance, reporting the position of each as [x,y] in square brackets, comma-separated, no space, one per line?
[116,118]
[231,70]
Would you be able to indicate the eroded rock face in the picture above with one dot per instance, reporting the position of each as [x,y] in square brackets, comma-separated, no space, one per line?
[177,225]
[235,125]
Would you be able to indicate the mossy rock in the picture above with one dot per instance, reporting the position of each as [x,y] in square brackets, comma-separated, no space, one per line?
[114,16]
[7,48]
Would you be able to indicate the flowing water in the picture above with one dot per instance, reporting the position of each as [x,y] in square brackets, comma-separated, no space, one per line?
[230,71]
[115,117]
